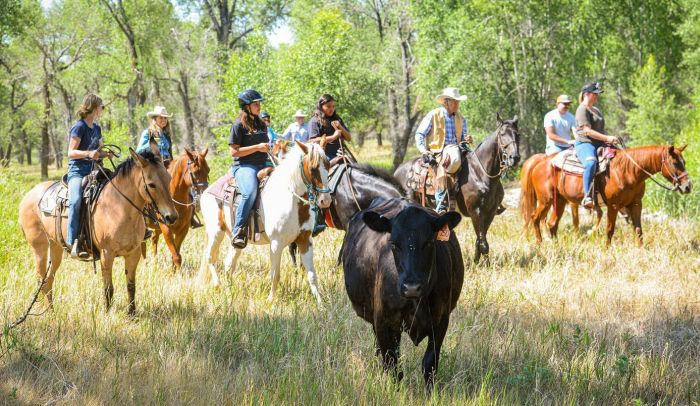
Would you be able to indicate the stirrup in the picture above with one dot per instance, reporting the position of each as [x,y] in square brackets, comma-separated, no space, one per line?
[587,202]
[240,240]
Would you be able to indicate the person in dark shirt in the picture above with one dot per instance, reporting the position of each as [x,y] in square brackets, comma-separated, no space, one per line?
[326,121]
[590,134]
[84,147]
[248,144]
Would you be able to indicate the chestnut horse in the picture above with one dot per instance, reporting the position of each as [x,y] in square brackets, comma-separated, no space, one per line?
[118,225]
[621,186]
[189,172]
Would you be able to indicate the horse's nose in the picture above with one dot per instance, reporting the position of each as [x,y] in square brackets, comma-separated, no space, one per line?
[324,200]
[170,218]
[686,187]
[411,290]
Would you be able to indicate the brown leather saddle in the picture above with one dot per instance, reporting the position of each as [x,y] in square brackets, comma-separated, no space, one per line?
[228,195]
[54,203]
[421,178]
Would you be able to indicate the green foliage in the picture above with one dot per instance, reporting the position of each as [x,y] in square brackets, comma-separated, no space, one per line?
[655,119]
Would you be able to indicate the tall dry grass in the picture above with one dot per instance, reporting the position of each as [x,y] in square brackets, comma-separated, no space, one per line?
[567,322]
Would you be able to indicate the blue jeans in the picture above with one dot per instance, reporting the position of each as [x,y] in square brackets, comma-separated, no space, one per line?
[76,173]
[586,153]
[247,180]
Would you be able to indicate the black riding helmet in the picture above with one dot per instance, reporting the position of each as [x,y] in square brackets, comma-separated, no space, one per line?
[249,96]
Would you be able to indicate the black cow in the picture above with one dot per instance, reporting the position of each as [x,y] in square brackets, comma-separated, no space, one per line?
[401,277]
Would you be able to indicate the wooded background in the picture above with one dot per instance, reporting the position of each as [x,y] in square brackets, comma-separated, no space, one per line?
[383,60]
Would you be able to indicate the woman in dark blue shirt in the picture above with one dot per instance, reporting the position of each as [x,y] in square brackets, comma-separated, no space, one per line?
[83,148]
[248,144]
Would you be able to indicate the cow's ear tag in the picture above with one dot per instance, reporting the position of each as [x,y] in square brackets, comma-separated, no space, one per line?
[444,233]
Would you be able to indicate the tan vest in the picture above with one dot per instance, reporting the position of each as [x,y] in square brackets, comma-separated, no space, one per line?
[438,132]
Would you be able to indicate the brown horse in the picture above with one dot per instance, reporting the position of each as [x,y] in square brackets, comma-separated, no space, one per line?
[118,225]
[622,186]
[526,168]
[189,172]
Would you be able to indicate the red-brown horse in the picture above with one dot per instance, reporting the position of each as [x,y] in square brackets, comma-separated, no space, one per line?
[189,172]
[622,186]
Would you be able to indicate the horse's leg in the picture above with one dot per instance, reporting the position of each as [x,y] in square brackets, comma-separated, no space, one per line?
[275,257]
[476,223]
[178,239]
[106,263]
[231,261]
[306,249]
[55,256]
[556,216]
[574,215]
[612,218]
[168,236]
[537,216]
[598,217]
[154,241]
[207,270]
[131,261]
[635,212]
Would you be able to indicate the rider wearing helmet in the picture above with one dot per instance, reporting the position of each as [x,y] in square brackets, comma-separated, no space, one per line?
[271,134]
[248,144]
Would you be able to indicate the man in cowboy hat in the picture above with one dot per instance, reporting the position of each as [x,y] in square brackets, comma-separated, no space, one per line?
[446,130]
[159,128]
[559,124]
[298,130]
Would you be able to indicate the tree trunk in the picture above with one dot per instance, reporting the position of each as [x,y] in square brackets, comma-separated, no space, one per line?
[28,151]
[8,155]
[184,91]
[55,145]
[379,137]
[45,125]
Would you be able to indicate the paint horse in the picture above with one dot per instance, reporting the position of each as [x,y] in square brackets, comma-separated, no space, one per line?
[189,173]
[118,225]
[287,201]
[621,186]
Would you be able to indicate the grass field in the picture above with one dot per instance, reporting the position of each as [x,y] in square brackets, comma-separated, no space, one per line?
[567,322]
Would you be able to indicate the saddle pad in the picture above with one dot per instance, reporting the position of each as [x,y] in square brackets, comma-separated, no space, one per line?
[335,175]
[51,197]
[217,188]
[568,161]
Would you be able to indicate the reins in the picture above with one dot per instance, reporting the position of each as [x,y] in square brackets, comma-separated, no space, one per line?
[311,189]
[664,160]
[194,186]
[502,157]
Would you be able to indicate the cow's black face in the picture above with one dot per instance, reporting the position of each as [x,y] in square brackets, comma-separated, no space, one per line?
[413,238]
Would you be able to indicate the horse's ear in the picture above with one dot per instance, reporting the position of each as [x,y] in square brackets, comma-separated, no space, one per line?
[189,154]
[499,120]
[304,148]
[515,120]
[376,222]
[137,158]
[154,147]
[682,147]
[204,152]
[323,142]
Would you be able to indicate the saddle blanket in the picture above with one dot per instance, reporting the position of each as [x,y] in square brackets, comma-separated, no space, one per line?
[568,162]
[49,202]
[226,192]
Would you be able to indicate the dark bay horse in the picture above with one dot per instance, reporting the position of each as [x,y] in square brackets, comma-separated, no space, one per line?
[622,186]
[117,222]
[479,179]
[188,173]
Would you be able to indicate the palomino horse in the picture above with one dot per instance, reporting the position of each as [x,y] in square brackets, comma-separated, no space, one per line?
[479,179]
[622,186]
[287,200]
[189,172]
[118,225]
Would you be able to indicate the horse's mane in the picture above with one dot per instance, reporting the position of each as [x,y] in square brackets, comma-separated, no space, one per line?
[378,173]
[289,166]
[125,168]
[644,156]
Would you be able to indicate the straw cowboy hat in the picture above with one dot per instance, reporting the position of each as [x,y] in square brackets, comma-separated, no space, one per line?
[159,111]
[299,113]
[450,93]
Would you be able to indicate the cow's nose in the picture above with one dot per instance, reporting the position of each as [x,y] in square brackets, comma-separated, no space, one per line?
[412,290]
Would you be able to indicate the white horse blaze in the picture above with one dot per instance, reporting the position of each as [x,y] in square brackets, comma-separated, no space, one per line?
[281,213]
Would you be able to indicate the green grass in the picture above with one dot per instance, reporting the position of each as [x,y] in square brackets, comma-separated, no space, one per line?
[564,323]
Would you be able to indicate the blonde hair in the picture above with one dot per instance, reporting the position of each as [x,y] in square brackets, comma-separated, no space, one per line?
[154,130]
[90,102]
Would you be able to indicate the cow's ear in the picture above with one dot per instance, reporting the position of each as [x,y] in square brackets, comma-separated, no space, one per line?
[451,218]
[376,222]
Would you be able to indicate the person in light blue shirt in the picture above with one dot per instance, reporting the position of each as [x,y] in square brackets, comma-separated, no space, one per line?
[271,134]
[161,131]
[298,130]
[559,124]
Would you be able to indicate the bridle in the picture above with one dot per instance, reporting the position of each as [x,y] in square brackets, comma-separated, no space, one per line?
[505,161]
[196,186]
[665,164]
[311,189]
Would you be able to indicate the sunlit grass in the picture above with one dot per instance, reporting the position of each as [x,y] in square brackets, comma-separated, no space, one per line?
[565,322]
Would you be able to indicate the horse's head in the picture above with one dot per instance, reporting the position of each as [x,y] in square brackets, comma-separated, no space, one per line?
[198,169]
[673,168]
[314,167]
[508,140]
[155,181]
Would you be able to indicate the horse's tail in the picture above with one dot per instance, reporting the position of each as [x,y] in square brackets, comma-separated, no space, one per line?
[528,199]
